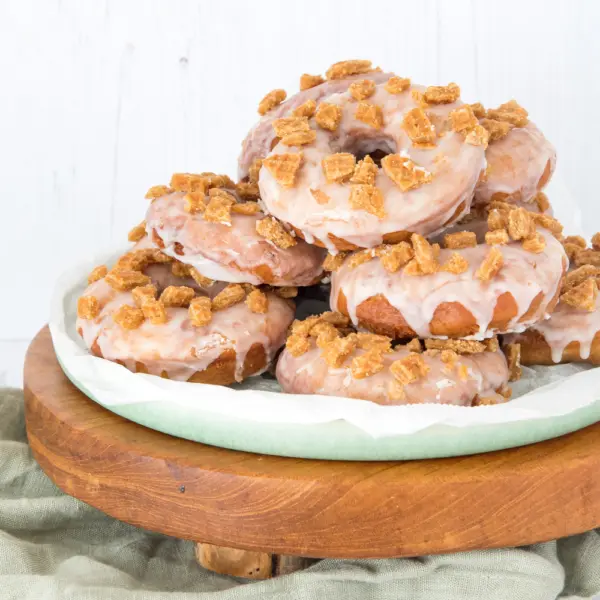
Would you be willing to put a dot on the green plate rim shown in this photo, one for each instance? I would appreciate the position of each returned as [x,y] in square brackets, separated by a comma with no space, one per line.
[340,440]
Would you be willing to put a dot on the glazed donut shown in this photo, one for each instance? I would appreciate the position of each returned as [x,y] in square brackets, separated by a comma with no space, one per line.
[435,153]
[219,236]
[320,359]
[217,335]
[572,333]
[468,289]
[520,160]
[261,138]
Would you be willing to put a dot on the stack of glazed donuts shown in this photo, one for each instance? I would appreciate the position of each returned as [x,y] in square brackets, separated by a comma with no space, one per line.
[422,216]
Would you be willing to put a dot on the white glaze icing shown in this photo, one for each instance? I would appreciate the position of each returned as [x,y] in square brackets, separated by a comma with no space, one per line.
[177,347]
[455,166]
[310,374]
[524,275]
[567,324]
[257,143]
[516,163]
[230,253]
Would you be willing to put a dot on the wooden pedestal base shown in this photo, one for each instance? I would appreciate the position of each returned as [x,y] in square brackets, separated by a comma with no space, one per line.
[277,510]
[249,564]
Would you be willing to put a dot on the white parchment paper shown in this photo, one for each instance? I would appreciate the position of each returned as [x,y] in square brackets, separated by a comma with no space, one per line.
[542,392]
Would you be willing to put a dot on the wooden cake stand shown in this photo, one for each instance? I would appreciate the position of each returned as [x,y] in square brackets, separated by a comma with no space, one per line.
[255,516]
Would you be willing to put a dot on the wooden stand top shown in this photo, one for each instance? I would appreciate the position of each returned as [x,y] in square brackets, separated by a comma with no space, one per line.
[306,507]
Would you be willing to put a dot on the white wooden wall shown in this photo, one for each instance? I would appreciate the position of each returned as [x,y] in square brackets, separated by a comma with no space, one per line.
[103,98]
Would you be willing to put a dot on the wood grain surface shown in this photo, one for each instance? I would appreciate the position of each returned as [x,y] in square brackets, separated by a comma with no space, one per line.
[306,507]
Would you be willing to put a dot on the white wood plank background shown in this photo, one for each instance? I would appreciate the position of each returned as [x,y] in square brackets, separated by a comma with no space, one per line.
[103,98]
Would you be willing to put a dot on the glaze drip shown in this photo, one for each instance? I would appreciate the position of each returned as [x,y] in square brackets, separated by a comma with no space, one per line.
[177,348]
[566,325]
[234,253]
[524,275]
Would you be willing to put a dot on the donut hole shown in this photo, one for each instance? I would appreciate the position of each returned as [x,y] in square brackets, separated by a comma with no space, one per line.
[376,146]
